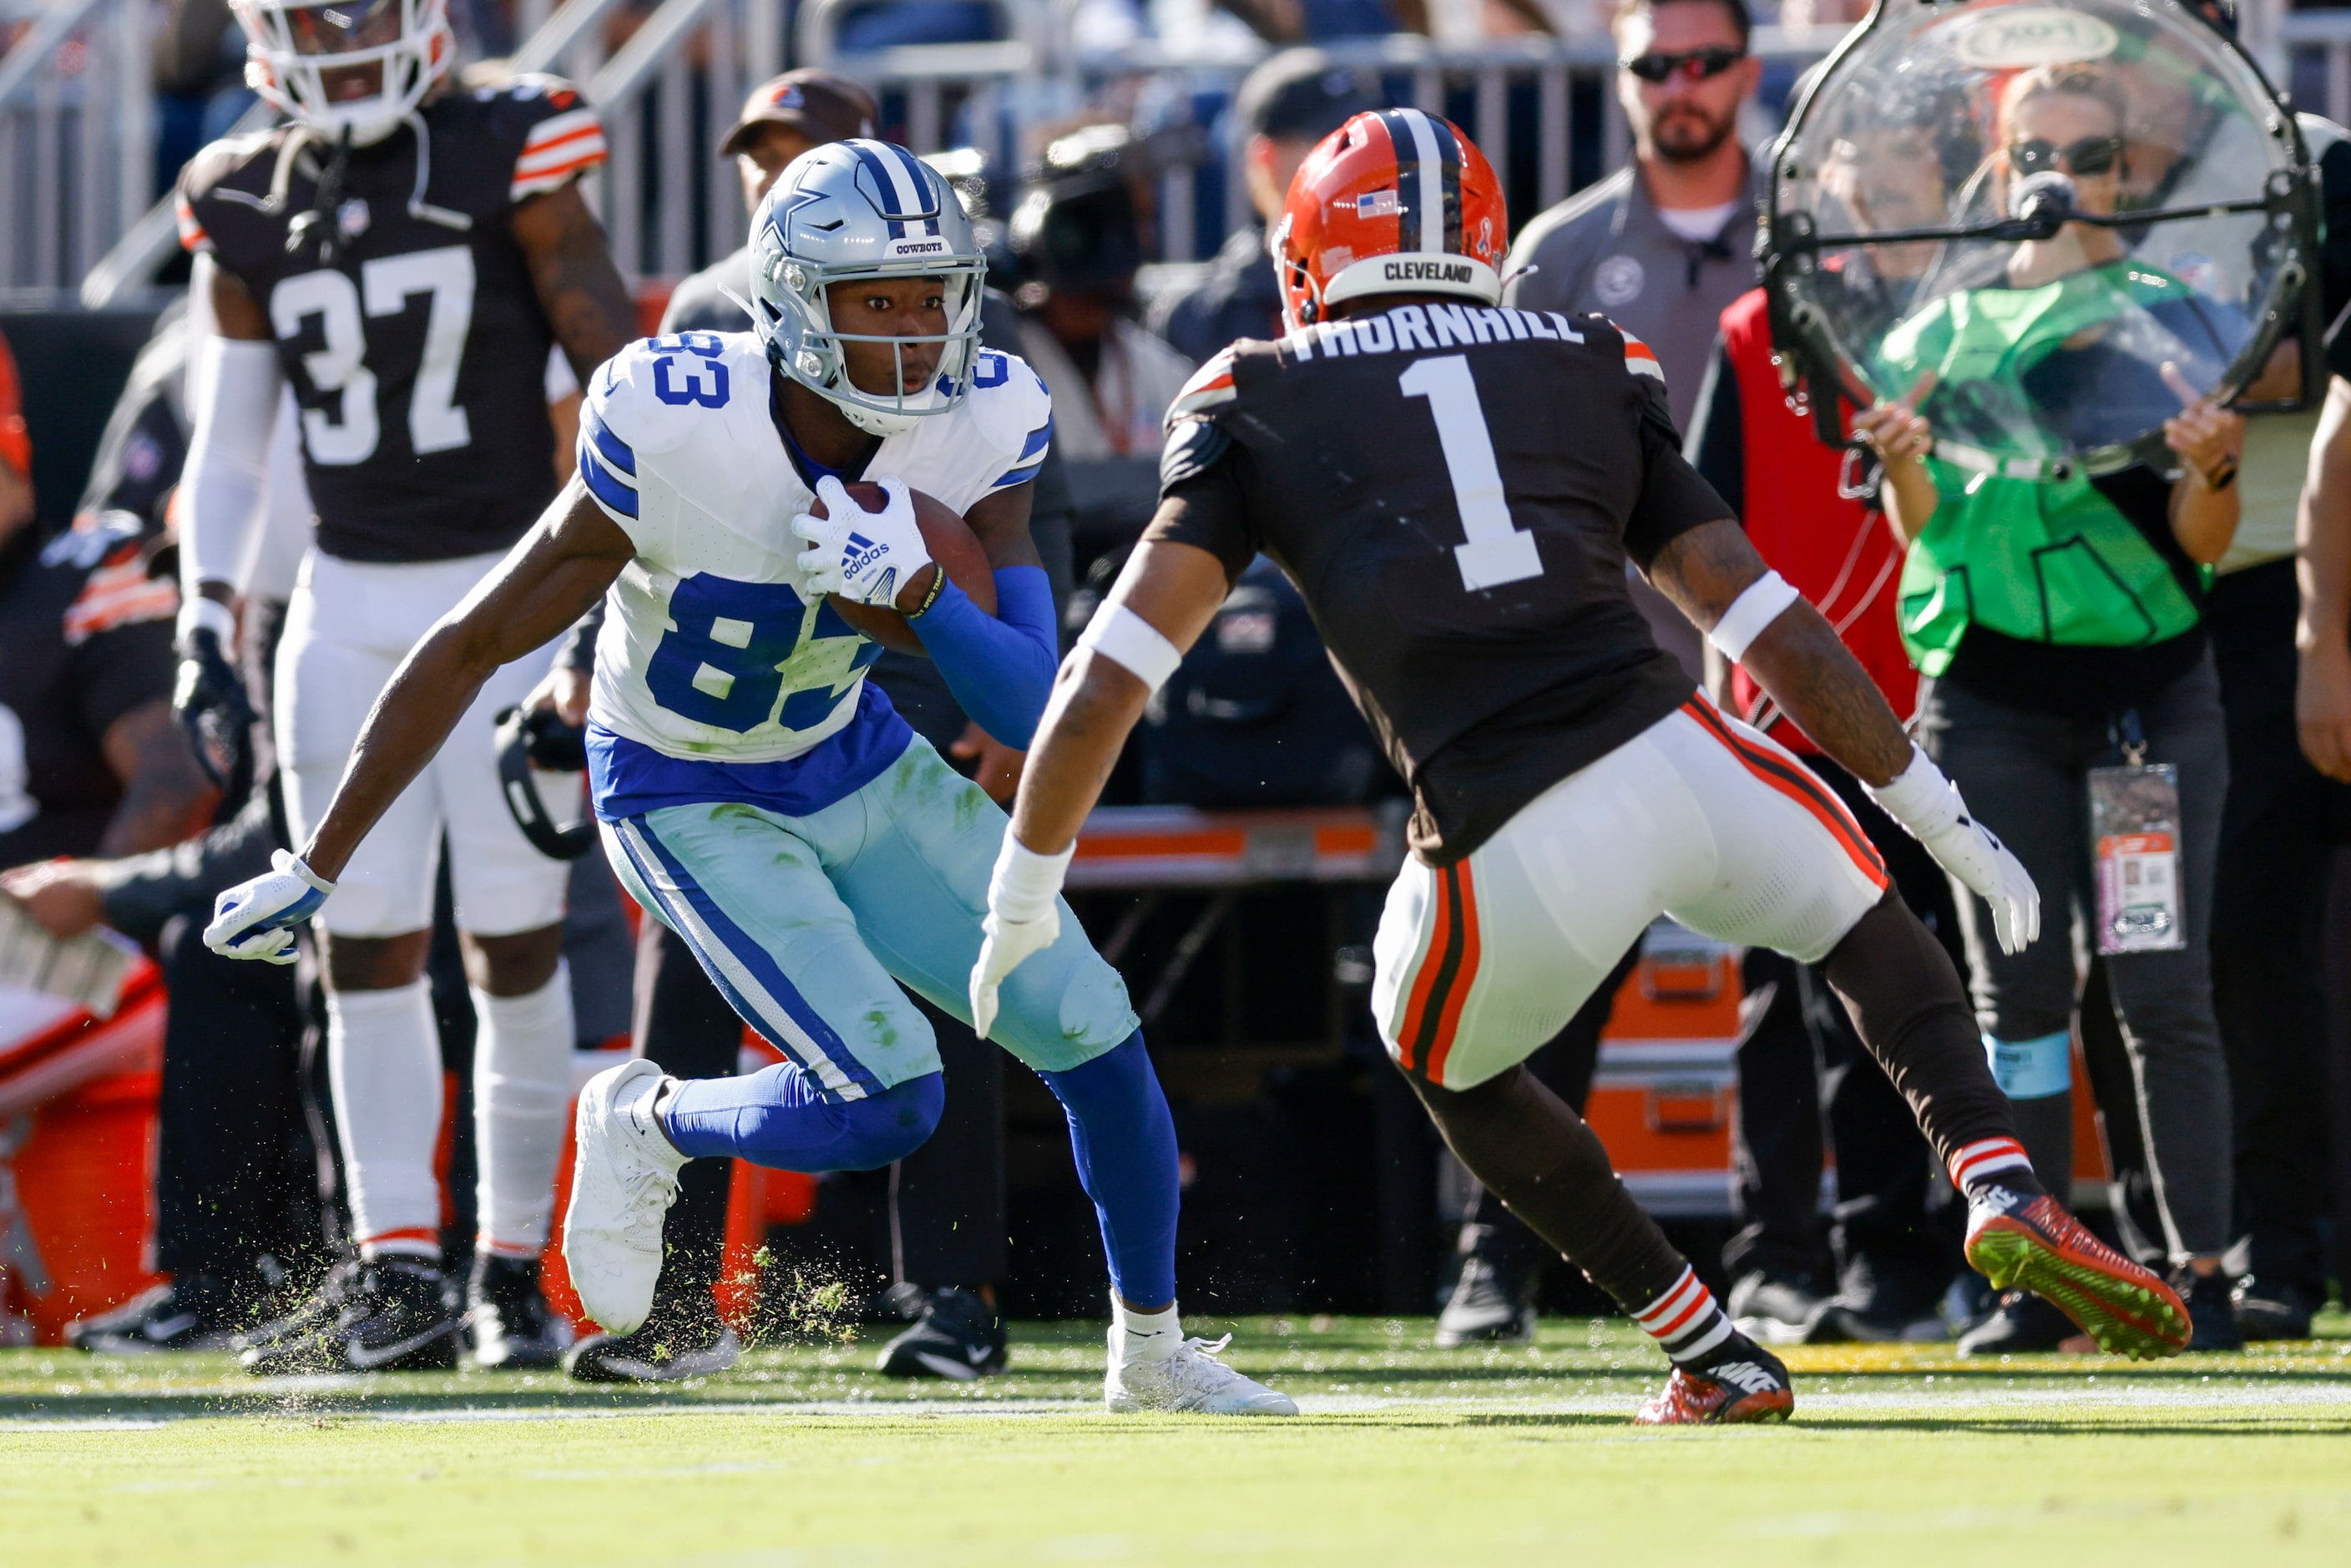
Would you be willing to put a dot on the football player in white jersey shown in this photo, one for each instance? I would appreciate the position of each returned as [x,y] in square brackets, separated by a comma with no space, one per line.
[754,793]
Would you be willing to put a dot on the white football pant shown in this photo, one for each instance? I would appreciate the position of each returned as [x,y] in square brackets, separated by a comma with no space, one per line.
[348,627]
[1698,817]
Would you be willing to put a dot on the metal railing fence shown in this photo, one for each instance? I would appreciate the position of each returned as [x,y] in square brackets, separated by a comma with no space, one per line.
[77,118]
[77,136]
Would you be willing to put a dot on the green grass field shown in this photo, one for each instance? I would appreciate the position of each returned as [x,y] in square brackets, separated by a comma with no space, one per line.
[1407,1454]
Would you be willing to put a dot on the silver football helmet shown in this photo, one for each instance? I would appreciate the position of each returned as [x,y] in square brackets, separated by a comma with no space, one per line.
[317,60]
[852,210]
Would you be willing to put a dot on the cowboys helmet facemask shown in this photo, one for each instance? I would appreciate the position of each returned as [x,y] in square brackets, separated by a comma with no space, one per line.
[850,211]
[292,47]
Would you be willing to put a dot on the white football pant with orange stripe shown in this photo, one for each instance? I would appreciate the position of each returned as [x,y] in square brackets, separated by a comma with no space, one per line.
[1698,817]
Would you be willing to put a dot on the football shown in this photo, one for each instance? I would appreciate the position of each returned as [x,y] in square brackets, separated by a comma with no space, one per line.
[952,544]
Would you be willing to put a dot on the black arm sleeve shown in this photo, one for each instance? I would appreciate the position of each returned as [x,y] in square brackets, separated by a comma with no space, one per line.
[144,890]
[579,649]
[1201,498]
[1716,445]
[1674,499]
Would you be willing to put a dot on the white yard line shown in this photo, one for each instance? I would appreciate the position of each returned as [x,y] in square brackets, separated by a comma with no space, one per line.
[1971,1395]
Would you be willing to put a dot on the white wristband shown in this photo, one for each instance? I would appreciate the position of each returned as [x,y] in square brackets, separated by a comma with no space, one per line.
[1132,644]
[287,861]
[1920,798]
[198,613]
[1025,884]
[1764,601]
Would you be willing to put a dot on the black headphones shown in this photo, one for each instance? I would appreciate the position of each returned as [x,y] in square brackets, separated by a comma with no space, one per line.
[540,739]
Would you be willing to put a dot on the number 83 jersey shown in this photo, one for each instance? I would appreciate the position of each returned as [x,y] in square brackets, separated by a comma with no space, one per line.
[713,648]
[405,316]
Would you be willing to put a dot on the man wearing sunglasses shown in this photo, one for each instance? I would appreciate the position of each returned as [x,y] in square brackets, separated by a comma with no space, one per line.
[1664,245]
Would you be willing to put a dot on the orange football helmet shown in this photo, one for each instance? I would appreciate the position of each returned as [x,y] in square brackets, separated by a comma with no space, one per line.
[1399,201]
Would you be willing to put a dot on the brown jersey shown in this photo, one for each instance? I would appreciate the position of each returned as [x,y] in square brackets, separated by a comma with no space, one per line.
[407,316]
[1455,492]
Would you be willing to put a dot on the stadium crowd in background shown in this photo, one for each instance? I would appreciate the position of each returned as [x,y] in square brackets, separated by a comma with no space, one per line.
[2222,1113]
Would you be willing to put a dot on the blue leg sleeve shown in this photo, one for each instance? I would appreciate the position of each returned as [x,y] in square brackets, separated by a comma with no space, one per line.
[1125,1144]
[1000,668]
[777,1118]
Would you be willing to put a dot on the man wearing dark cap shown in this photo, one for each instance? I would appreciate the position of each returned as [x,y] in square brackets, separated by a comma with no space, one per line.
[1286,106]
[784,117]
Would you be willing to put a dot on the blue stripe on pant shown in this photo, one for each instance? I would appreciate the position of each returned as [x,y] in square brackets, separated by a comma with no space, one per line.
[753,983]
[816,925]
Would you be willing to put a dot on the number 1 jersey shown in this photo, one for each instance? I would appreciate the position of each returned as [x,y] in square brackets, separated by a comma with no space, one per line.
[404,311]
[1455,492]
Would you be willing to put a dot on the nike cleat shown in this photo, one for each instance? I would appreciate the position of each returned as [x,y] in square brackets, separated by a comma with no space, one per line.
[1191,1381]
[623,1180]
[1742,1382]
[652,1355]
[169,1317]
[507,1323]
[1493,1301]
[304,1322]
[959,1337]
[399,1317]
[2032,1244]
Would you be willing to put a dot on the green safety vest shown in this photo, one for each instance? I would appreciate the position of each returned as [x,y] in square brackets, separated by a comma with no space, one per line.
[2041,559]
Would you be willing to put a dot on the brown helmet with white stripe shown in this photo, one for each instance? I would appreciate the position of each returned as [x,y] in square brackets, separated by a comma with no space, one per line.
[1397,202]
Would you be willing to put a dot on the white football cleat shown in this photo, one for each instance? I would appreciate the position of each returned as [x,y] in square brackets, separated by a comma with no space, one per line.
[1192,1380]
[622,1183]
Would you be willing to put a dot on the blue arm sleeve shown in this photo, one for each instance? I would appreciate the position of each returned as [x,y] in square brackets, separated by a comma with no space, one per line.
[999,667]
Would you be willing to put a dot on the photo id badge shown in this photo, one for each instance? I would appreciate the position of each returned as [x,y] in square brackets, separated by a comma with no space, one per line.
[2134,824]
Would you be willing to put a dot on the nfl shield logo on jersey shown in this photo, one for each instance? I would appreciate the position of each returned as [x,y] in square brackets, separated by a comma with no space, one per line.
[352,218]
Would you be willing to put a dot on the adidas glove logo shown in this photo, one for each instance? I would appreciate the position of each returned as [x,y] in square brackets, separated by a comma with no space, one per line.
[861,553]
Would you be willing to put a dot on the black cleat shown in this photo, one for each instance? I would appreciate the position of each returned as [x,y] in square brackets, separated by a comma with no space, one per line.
[655,1353]
[1494,1299]
[1878,1304]
[396,1316]
[957,1337]
[2265,1313]
[1780,1308]
[507,1323]
[307,1320]
[185,1316]
[2211,1313]
[2022,1325]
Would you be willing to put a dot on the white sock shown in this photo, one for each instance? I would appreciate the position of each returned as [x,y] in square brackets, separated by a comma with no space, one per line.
[522,1086]
[383,1061]
[1144,1336]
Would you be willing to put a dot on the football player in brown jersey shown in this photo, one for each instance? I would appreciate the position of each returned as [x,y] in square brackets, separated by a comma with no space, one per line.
[1457,488]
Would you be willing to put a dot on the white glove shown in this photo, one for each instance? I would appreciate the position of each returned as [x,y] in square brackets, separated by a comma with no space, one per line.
[861,555]
[1928,807]
[255,919]
[1022,918]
